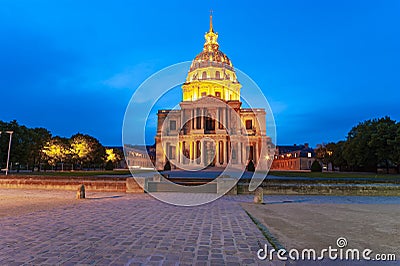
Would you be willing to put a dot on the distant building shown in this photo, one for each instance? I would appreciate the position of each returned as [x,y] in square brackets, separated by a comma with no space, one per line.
[294,157]
[140,156]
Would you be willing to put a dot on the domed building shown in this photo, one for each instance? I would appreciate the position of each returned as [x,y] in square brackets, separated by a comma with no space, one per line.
[211,129]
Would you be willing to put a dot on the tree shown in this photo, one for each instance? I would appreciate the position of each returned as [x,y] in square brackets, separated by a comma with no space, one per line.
[356,150]
[396,143]
[114,156]
[324,153]
[382,141]
[19,153]
[371,144]
[337,155]
[32,145]
[86,150]
[38,138]
[56,151]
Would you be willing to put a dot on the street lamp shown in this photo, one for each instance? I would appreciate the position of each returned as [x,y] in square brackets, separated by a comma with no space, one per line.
[9,148]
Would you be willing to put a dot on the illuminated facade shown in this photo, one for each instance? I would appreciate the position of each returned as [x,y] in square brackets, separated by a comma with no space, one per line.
[293,158]
[211,128]
[137,157]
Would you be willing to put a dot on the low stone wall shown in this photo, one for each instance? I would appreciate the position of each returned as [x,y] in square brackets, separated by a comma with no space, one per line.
[104,184]
[326,189]
[130,185]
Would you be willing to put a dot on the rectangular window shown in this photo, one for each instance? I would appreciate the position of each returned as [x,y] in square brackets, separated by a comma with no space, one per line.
[218,94]
[172,125]
[172,152]
[249,124]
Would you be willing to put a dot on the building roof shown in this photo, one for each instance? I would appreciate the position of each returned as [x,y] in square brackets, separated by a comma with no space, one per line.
[149,149]
[301,150]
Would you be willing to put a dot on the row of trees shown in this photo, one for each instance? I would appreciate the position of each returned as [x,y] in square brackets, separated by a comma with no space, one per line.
[371,145]
[36,148]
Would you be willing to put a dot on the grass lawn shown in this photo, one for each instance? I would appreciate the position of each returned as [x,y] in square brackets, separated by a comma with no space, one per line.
[274,173]
[80,173]
[332,174]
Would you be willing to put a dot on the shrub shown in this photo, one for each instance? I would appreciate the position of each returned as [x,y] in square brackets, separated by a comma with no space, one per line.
[167,166]
[250,166]
[109,165]
[316,167]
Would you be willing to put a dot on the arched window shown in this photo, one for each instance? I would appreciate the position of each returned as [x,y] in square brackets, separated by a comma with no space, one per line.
[217,75]
[204,75]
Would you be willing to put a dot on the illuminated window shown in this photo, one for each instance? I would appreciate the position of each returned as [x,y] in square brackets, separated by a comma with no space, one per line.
[218,94]
[172,125]
[249,124]
[309,155]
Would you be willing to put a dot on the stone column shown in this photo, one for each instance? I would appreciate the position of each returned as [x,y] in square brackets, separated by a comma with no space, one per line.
[182,118]
[194,151]
[179,152]
[217,119]
[190,152]
[192,119]
[225,152]
[198,152]
[239,153]
[256,155]
[245,156]
[227,117]
[223,117]
[217,152]
[228,159]
[202,118]
[202,152]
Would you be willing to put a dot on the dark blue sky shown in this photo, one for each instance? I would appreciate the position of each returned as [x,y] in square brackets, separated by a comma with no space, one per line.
[324,66]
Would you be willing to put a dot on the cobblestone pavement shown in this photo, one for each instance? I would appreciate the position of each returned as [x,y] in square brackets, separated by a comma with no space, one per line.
[132,230]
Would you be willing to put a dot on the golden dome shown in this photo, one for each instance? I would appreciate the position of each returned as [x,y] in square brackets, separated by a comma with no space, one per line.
[211,73]
[214,58]
[211,56]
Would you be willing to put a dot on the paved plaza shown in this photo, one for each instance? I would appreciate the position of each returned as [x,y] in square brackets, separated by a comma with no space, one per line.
[40,227]
[126,229]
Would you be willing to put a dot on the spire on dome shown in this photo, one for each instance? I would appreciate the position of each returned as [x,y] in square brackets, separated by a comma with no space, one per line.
[211,25]
[211,37]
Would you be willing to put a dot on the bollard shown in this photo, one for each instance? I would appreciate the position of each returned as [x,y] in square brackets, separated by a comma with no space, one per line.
[80,194]
[157,177]
[258,195]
